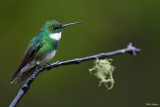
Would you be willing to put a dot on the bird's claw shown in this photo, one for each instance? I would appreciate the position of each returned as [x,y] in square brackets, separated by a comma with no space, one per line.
[48,66]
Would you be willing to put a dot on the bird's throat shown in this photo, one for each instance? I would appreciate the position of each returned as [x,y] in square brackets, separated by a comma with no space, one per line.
[56,36]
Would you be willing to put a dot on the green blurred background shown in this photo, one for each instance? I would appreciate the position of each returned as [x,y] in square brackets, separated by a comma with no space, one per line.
[109,25]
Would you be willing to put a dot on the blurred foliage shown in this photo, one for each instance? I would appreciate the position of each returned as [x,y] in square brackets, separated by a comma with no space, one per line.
[109,25]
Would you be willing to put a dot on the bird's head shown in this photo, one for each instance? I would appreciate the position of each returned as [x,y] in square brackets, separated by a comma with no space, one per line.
[54,26]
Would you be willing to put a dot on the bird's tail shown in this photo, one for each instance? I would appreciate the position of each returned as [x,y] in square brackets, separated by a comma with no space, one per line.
[22,76]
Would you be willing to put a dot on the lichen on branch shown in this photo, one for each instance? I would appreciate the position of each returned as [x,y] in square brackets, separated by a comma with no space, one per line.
[104,70]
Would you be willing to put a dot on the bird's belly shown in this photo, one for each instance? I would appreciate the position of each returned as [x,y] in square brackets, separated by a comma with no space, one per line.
[48,57]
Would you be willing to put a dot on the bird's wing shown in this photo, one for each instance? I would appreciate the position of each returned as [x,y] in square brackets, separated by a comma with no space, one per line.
[34,45]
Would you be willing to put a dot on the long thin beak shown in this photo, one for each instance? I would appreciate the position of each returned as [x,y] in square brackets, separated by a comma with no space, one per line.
[65,25]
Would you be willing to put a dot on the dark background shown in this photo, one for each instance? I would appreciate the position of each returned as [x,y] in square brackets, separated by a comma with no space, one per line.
[109,25]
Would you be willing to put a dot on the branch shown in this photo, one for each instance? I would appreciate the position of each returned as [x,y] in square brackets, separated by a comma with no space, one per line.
[25,87]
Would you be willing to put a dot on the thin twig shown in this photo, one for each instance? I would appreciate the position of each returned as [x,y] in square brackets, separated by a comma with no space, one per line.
[25,87]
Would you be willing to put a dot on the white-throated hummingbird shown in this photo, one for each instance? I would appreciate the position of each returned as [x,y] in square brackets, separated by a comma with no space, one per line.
[41,49]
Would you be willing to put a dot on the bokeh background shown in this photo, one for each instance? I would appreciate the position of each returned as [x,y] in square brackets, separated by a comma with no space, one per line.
[109,25]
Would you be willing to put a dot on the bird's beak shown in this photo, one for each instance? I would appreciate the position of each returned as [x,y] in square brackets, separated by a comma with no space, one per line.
[65,25]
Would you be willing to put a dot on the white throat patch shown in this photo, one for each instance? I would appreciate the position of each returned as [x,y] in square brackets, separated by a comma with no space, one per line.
[56,36]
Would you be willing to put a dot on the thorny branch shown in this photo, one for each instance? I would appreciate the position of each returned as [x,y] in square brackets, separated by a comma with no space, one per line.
[25,87]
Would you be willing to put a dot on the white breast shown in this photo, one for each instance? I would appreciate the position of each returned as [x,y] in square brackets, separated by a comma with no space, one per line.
[48,57]
[56,36]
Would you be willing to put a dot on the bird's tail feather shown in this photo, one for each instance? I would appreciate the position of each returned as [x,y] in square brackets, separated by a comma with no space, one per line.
[20,77]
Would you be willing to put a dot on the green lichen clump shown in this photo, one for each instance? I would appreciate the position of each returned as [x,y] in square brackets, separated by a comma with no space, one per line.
[104,70]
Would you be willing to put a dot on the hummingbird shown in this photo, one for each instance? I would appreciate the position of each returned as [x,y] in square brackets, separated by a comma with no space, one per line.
[41,49]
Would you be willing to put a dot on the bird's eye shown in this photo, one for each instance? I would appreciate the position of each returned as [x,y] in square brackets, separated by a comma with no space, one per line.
[54,28]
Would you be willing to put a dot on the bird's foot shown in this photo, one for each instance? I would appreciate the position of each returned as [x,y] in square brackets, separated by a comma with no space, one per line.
[48,66]
[39,67]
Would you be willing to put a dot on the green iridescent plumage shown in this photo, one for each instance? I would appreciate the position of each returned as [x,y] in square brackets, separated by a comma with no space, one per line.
[48,46]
